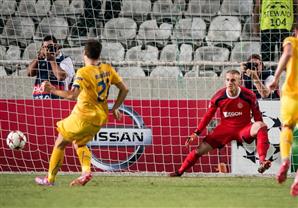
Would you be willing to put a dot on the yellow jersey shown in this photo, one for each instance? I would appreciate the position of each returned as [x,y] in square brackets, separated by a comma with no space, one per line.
[290,86]
[94,83]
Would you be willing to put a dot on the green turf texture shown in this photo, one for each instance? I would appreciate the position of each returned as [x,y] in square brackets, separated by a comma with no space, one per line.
[136,191]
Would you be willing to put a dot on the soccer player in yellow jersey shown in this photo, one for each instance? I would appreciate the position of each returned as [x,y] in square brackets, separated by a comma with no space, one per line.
[289,104]
[90,89]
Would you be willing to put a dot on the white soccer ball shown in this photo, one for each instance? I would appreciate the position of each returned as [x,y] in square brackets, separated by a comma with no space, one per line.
[16,140]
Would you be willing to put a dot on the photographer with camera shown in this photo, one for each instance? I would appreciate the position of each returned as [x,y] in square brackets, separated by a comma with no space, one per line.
[257,78]
[51,65]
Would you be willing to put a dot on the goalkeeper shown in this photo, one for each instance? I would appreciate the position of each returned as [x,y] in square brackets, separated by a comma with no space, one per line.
[90,88]
[237,105]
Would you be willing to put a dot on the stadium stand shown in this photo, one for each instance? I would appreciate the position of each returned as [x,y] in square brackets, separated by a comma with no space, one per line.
[170,53]
[76,54]
[33,8]
[17,30]
[145,53]
[112,51]
[247,32]
[236,7]
[31,50]
[136,9]
[166,71]
[203,8]
[8,7]
[131,72]
[244,49]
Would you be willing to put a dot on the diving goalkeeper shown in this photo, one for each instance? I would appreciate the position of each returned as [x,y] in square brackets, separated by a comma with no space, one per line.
[237,106]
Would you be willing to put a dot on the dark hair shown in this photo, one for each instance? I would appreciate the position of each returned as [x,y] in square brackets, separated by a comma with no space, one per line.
[254,56]
[93,49]
[50,37]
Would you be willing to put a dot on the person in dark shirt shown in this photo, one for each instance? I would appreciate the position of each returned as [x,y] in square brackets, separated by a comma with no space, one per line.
[238,106]
[256,78]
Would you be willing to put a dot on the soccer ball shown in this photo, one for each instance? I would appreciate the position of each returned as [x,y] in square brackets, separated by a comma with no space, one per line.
[16,140]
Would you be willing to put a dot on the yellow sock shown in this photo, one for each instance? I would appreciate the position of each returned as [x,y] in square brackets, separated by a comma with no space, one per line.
[84,155]
[55,163]
[286,140]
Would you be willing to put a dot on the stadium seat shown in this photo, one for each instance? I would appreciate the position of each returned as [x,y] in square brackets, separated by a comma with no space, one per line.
[212,54]
[2,52]
[31,51]
[207,8]
[166,9]
[32,8]
[149,32]
[7,7]
[192,30]
[200,73]
[76,54]
[224,30]
[135,8]
[2,71]
[169,53]
[247,32]
[131,71]
[18,30]
[56,26]
[13,53]
[166,71]
[145,53]
[236,7]
[112,51]
[120,29]
[185,56]
[242,50]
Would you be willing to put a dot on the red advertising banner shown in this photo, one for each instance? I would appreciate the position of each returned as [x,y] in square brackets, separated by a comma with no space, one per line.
[149,138]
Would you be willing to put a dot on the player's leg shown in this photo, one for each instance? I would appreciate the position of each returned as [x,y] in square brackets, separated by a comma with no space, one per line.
[294,187]
[192,158]
[288,117]
[56,161]
[84,154]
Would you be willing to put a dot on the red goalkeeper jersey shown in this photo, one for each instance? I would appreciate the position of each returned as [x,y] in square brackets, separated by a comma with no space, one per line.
[235,112]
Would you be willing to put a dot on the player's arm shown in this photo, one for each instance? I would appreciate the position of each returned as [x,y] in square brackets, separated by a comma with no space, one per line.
[123,91]
[256,112]
[203,123]
[286,55]
[69,94]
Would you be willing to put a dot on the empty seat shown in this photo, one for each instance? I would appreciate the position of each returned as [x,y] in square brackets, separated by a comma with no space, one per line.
[76,54]
[247,31]
[131,71]
[212,54]
[236,7]
[145,53]
[189,30]
[200,73]
[18,30]
[166,9]
[166,71]
[200,8]
[120,29]
[2,71]
[7,7]
[13,53]
[149,32]
[170,53]
[2,52]
[32,8]
[243,50]
[186,51]
[132,8]
[56,26]
[224,29]
[112,51]
[31,51]
[63,7]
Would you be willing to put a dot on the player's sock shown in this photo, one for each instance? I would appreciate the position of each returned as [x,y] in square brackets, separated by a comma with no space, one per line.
[55,163]
[84,155]
[189,161]
[286,140]
[262,143]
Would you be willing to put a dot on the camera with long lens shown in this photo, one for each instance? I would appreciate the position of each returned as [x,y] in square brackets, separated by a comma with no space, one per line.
[250,65]
[52,48]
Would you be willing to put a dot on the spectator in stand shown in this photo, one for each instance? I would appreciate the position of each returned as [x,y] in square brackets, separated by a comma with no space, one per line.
[257,78]
[51,65]
[237,106]
[274,19]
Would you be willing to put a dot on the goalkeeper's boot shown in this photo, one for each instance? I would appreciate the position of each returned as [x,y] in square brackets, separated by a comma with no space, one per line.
[82,180]
[43,181]
[175,174]
[294,187]
[264,165]
[283,170]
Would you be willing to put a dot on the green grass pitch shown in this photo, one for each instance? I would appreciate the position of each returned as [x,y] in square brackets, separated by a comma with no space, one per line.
[18,190]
